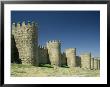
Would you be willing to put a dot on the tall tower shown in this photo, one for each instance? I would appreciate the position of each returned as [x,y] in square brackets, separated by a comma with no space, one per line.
[54,51]
[92,63]
[26,39]
[71,57]
[96,63]
[86,60]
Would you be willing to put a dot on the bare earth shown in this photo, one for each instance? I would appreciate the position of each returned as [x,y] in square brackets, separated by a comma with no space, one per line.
[19,70]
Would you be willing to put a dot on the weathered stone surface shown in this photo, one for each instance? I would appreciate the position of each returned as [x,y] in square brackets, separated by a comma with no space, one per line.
[25,50]
[26,39]
[71,57]
[54,51]
[63,59]
[92,63]
[78,61]
[99,64]
[86,60]
[43,55]
[95,63]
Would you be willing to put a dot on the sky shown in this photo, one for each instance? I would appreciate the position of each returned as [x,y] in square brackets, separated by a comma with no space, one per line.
[75,29]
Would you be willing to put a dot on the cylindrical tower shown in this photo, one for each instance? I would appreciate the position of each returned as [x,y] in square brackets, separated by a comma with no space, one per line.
[54,51]
[86,60]
[26,38]
[71,57]
[92,63]
[99,63]
[95,63]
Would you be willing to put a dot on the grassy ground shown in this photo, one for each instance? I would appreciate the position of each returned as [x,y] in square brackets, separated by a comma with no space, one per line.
[19,70]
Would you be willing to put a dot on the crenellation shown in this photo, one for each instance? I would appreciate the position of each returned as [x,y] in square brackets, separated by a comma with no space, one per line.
[13,25]
[43,55]
[29,24]
[18,25]
[54,51]
[24,24]
[25,41]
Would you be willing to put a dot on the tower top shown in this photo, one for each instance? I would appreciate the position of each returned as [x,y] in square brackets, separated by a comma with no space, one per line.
[23,24]
[53,41]
[87,53]
[70,49]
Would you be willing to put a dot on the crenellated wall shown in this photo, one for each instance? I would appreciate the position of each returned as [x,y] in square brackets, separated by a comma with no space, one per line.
[43,55]
[86,61]
[25,50]
[54,51]
[26,39]
[71,57]
[63,59]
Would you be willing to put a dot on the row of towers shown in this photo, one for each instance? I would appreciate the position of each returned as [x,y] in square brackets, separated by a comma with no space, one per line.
[24,47]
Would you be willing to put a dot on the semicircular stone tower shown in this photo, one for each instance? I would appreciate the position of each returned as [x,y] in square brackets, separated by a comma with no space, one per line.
[92,63]
[95,63]
[71,57]
[86,61]
[26,38]
[54,51]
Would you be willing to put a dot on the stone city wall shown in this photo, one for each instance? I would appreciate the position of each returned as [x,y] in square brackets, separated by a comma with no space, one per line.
[54,52]
[26,42]
[86,60]
[25,50]
[63,59]
[43,55]
[71,57]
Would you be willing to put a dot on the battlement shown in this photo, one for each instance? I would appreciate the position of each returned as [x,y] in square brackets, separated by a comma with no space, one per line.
[71,49]
[53,41]
[42,47]
[23,24]
[89,53]
[54,44]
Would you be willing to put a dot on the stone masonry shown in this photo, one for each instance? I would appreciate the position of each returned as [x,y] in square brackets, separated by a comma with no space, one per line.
[43,55]
[54,51]
[63,59]
[71,57]
[26,42]
[86,60]
[92,63]
[95,63]
[25,50]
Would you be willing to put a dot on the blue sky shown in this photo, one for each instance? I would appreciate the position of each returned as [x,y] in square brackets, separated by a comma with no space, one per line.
[75,29]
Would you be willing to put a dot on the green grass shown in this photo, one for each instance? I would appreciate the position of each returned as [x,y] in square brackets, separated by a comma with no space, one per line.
[19,70]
